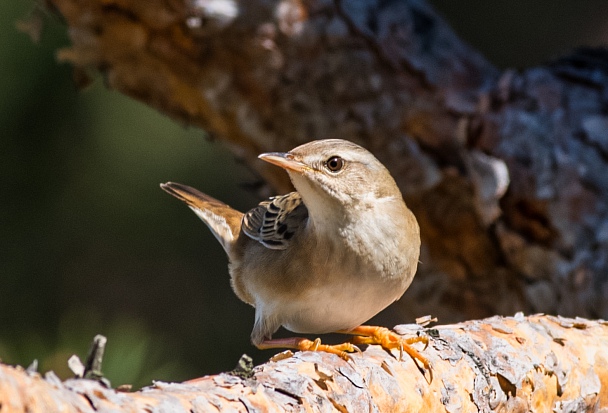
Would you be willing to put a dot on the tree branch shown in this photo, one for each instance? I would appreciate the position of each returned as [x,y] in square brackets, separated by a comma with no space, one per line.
[504,171]
[537,363]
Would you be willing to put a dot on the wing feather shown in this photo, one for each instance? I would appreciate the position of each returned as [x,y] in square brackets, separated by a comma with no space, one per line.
[274,222]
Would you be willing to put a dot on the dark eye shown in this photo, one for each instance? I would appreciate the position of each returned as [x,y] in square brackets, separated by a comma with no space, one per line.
[334,164]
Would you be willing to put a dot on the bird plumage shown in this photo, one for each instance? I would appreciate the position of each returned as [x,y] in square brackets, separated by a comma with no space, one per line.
[274,223]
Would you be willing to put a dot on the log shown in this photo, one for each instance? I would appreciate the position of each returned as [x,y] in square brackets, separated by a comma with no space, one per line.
[517,364]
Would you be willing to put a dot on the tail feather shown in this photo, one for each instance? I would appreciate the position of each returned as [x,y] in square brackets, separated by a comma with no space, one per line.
[223,221]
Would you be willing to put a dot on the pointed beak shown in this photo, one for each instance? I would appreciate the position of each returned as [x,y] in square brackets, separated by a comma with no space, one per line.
[285,160]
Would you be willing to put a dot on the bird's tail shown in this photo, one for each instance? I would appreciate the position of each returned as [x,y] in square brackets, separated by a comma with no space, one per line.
[223,221]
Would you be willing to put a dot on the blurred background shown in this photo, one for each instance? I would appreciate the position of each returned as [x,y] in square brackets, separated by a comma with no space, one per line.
[90,244]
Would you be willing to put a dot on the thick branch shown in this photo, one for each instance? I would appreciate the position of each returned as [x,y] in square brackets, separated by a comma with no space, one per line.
[539,363]
[391,75]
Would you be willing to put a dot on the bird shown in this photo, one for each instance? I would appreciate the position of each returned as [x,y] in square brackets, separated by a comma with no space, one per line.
[325,258]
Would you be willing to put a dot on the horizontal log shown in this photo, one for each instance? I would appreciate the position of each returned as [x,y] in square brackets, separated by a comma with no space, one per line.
[535,363]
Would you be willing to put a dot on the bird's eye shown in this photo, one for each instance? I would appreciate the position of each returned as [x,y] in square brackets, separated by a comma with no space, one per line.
[335,164]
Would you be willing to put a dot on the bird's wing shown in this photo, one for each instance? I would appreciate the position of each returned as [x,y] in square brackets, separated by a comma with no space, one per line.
[223,221]
[274,222]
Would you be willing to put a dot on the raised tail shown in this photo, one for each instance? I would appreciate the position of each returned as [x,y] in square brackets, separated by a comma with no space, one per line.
[223,221]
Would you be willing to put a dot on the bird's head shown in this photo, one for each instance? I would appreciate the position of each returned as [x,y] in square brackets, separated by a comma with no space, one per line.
[335,174]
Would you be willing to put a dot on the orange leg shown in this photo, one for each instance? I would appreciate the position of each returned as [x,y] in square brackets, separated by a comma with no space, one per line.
[303,344]
[389,340]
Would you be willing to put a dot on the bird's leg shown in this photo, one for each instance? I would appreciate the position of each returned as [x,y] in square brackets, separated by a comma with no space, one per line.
[389,340]
[304,344]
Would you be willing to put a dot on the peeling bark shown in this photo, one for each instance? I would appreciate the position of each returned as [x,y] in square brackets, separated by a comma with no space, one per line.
[515,364]
[506,172]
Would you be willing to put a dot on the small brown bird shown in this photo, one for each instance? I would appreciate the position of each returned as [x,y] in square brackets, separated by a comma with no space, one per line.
[323,259]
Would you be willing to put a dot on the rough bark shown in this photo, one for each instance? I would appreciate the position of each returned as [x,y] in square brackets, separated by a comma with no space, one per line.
[506,172]
[514,364]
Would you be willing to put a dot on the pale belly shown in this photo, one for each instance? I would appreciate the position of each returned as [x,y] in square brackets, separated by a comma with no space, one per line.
[338,307]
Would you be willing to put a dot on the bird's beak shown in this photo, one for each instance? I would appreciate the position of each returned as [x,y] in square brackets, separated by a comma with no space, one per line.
[285,160]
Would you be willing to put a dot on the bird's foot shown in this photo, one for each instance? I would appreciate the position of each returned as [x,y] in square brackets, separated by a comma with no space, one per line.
[304,344]
[390,340]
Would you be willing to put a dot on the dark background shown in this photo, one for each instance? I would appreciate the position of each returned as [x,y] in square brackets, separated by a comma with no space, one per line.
[90,244]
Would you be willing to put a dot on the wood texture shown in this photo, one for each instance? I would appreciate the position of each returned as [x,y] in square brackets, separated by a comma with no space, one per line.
[506,172]
[514,364]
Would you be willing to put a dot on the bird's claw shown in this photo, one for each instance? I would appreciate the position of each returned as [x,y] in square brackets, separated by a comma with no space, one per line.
[390,340]
[304,344]
[340,350]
